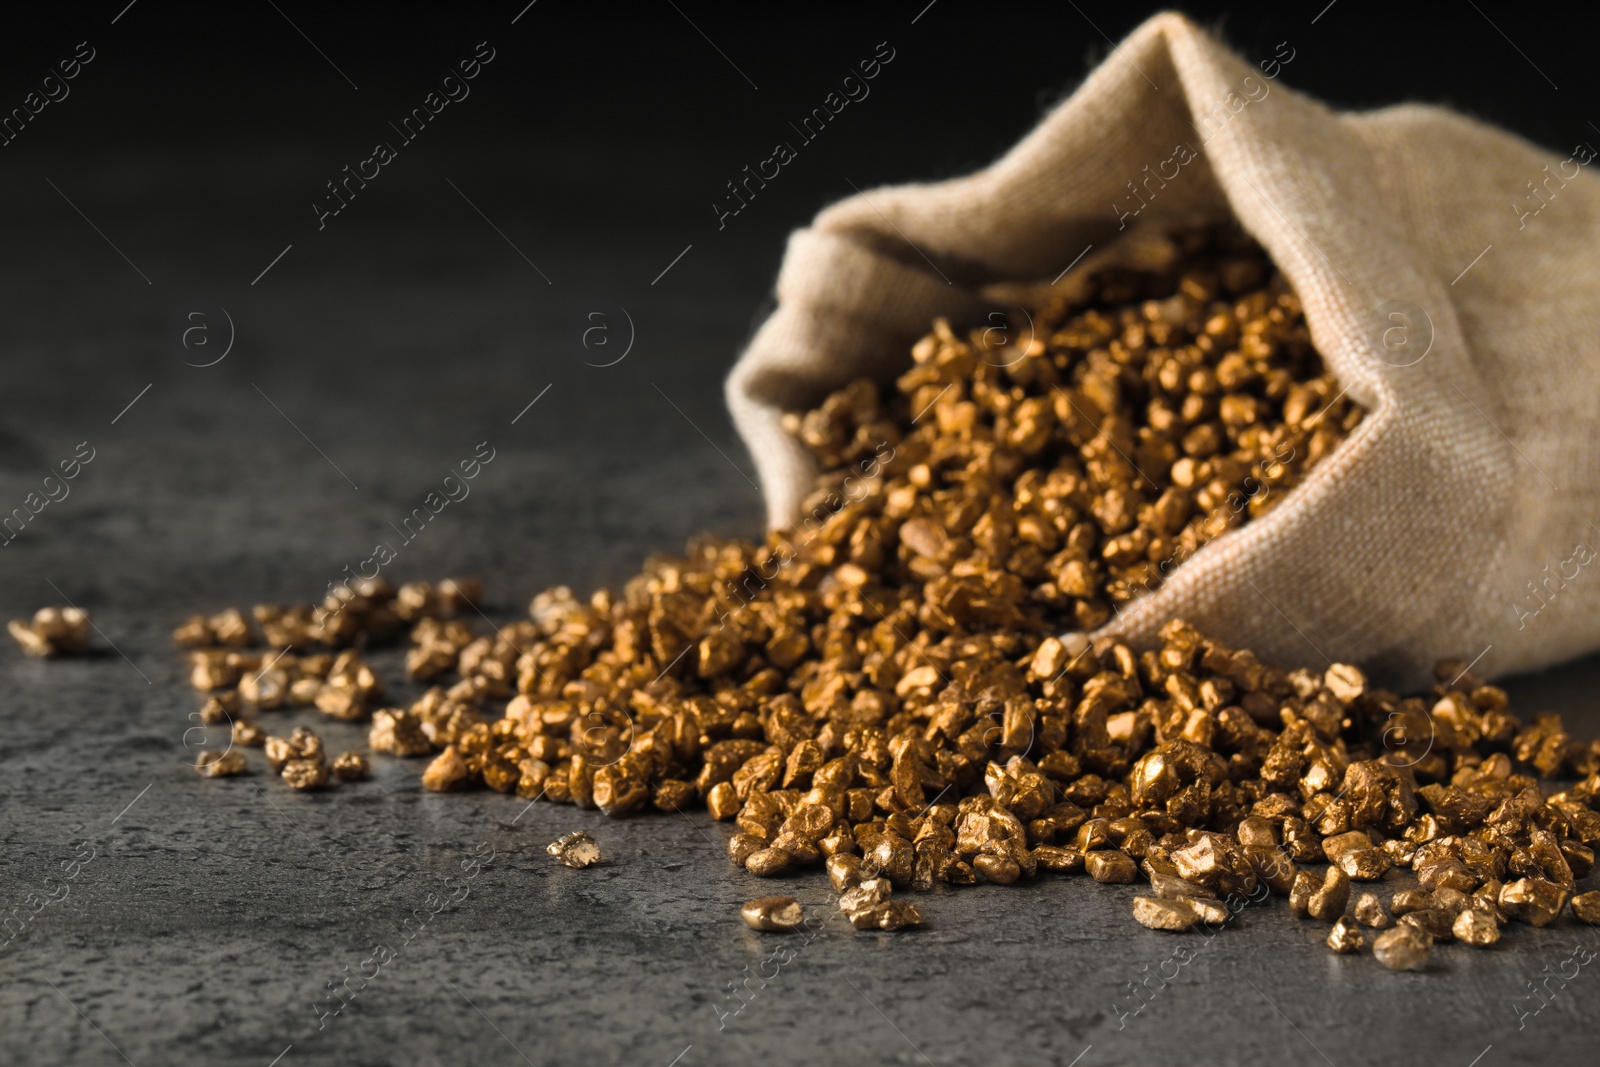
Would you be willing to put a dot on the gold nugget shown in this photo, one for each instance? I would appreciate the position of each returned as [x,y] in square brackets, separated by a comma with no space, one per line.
[576,849]
[1346,936]
[220,764]
[1163,914]
[305,774]
[350,766]
[773,914]
[53,632]
[1405,948]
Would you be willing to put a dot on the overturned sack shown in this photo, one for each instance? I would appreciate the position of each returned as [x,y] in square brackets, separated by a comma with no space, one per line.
[1447,272]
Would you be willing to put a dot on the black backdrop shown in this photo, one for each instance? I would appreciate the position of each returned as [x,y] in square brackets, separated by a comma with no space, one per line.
[647,109]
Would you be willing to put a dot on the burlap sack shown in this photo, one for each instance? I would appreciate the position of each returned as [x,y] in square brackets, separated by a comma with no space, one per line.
[1456,521]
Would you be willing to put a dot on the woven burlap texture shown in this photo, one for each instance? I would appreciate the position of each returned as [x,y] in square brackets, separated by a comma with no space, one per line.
[1456,520]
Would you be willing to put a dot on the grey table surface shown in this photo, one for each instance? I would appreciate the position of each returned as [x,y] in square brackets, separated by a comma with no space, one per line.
[214,915]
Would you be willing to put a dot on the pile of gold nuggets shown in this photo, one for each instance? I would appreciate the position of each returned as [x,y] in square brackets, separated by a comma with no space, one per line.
[882,690]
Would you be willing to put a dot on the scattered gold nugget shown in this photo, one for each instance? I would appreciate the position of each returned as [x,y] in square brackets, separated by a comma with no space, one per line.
[1369,912]
[861,905]
[305,774]
[1328,901]
[1405,948]
[1435,922]
[1346,936]
[1534,900]
[1476,928]
[1165,914]
[350,766]
[898,915]
[768,862]
[576,849]
[1110,866]
[220,707]
[248,734]
[868,907]
[53,632]
[213,764]
[773,914]
[447,771]
[396,732]
[279,751]
[306,744]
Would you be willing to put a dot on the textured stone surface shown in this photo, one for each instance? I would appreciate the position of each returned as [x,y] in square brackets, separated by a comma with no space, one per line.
[215,912]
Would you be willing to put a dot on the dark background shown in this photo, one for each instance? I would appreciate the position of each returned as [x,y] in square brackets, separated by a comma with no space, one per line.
[378,352]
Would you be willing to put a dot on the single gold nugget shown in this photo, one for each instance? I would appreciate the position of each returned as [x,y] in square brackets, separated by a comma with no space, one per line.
[1405,948]
[773,914]
[305,774]
[898,915]
[1163,914]
[220,764]
[998,869]
[576,849]
[1533,900]
[1328,901]
[195,632]
[231,629]
[861,905]
[768,862]
[1435,922]
[248,734]
[1345,936]
[306,744]
[1476,927]
[220,707]
[278,751]
[1369,912]
[447,771]
[396,732]
[350,766]
[1110,866]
